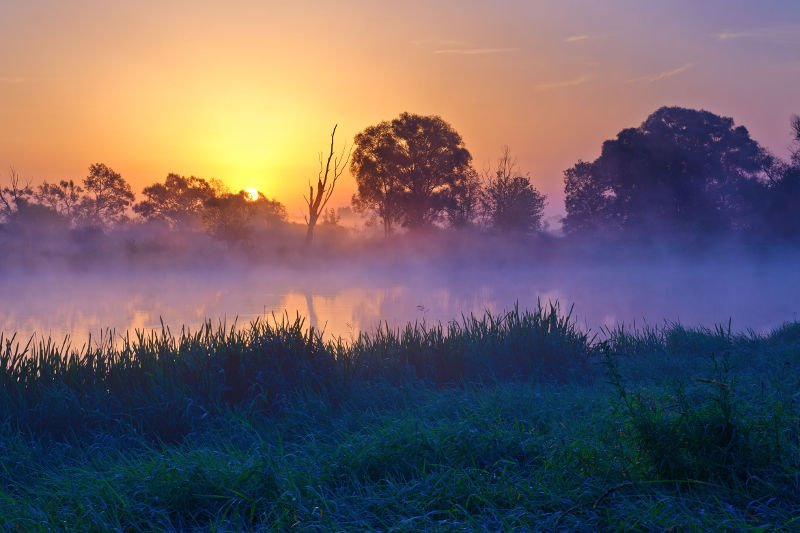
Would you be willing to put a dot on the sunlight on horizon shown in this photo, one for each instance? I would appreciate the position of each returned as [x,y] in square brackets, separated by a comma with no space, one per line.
[253,105]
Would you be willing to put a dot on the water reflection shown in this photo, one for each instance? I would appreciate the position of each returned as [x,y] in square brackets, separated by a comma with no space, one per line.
[755,296]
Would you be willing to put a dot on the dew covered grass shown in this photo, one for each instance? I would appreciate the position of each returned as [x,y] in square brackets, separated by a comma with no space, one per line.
[512,422]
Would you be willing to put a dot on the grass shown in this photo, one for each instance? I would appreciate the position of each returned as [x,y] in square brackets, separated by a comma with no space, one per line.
[510,422]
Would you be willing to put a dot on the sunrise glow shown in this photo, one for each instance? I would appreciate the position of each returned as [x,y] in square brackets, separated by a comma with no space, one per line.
[372,265]
[145,88]
[251,194]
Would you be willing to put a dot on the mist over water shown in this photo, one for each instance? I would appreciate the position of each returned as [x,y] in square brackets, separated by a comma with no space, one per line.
[346,299]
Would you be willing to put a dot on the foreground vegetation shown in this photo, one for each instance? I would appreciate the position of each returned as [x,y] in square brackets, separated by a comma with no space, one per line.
[516,421]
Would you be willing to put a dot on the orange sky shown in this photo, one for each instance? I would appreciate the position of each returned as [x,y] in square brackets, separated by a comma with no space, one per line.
[248,91]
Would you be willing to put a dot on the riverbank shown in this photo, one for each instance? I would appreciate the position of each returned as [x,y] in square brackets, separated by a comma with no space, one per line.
[517,421]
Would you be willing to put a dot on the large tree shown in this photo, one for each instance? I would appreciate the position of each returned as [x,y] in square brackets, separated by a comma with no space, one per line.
[407,170]
[682,170]
[107,196]
[179,201]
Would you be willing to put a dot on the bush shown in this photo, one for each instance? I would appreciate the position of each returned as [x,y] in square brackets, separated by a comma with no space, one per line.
[703,436]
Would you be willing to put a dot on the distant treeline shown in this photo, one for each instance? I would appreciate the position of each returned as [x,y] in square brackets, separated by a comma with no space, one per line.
[683,174]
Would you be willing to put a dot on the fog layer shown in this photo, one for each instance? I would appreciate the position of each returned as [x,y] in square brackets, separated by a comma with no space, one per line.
[348,296]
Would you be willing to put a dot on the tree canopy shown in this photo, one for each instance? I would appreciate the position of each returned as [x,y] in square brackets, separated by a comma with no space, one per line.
[177,201]
[681,170]
[63,197]
[107,196]
[234,217]
[408,170]
[510,201]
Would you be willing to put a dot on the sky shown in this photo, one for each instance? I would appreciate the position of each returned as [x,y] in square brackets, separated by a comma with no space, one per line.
[248,92]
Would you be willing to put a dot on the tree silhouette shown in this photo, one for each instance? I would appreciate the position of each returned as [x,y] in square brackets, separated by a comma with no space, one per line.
[179,201]
[682,170]
[330,218]
[510,201]
[379,187]
[235,217]
[36,221]
[107,197]
[588,200]
[14,194]
[407,170]
[63,197]
[326,183]
[464,207]
[782,204]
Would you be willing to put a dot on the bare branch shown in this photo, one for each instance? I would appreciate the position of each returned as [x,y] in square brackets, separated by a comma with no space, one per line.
[327,178]
[11,195]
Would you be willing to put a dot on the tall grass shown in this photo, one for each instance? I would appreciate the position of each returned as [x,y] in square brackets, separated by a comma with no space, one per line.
[499,422]
[162,384]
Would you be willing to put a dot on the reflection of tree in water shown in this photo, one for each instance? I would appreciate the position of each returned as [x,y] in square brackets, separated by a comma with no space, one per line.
[313,320]
[603,294]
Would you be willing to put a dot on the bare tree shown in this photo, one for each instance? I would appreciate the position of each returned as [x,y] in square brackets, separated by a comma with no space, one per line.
[326,183]
[15,193]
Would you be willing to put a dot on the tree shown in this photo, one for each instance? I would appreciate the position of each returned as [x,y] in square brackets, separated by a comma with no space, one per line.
[107,197]
[318,199]
[179,201]
[587,200]
[464,208]
[682,170]
[234,217]
[407,170]
[63,197]
[510,201]
[330,218]
[379,187]
[37,221]
[14,194]
[782,205]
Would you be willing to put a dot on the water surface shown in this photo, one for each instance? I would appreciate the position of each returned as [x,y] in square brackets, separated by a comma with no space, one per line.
[344,301]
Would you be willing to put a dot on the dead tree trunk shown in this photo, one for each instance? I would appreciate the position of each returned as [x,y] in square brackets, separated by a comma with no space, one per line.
[318,198]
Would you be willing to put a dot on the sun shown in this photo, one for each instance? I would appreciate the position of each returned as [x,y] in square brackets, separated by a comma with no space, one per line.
[251,194]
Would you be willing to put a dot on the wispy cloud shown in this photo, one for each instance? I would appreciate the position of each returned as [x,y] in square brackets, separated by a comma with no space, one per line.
[652,78]
[553,85]
[780,34]
[572,39]
[440,42]
[474,51]
[577,38]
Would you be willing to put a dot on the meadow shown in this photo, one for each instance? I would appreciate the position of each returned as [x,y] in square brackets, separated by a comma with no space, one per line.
[514,421]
